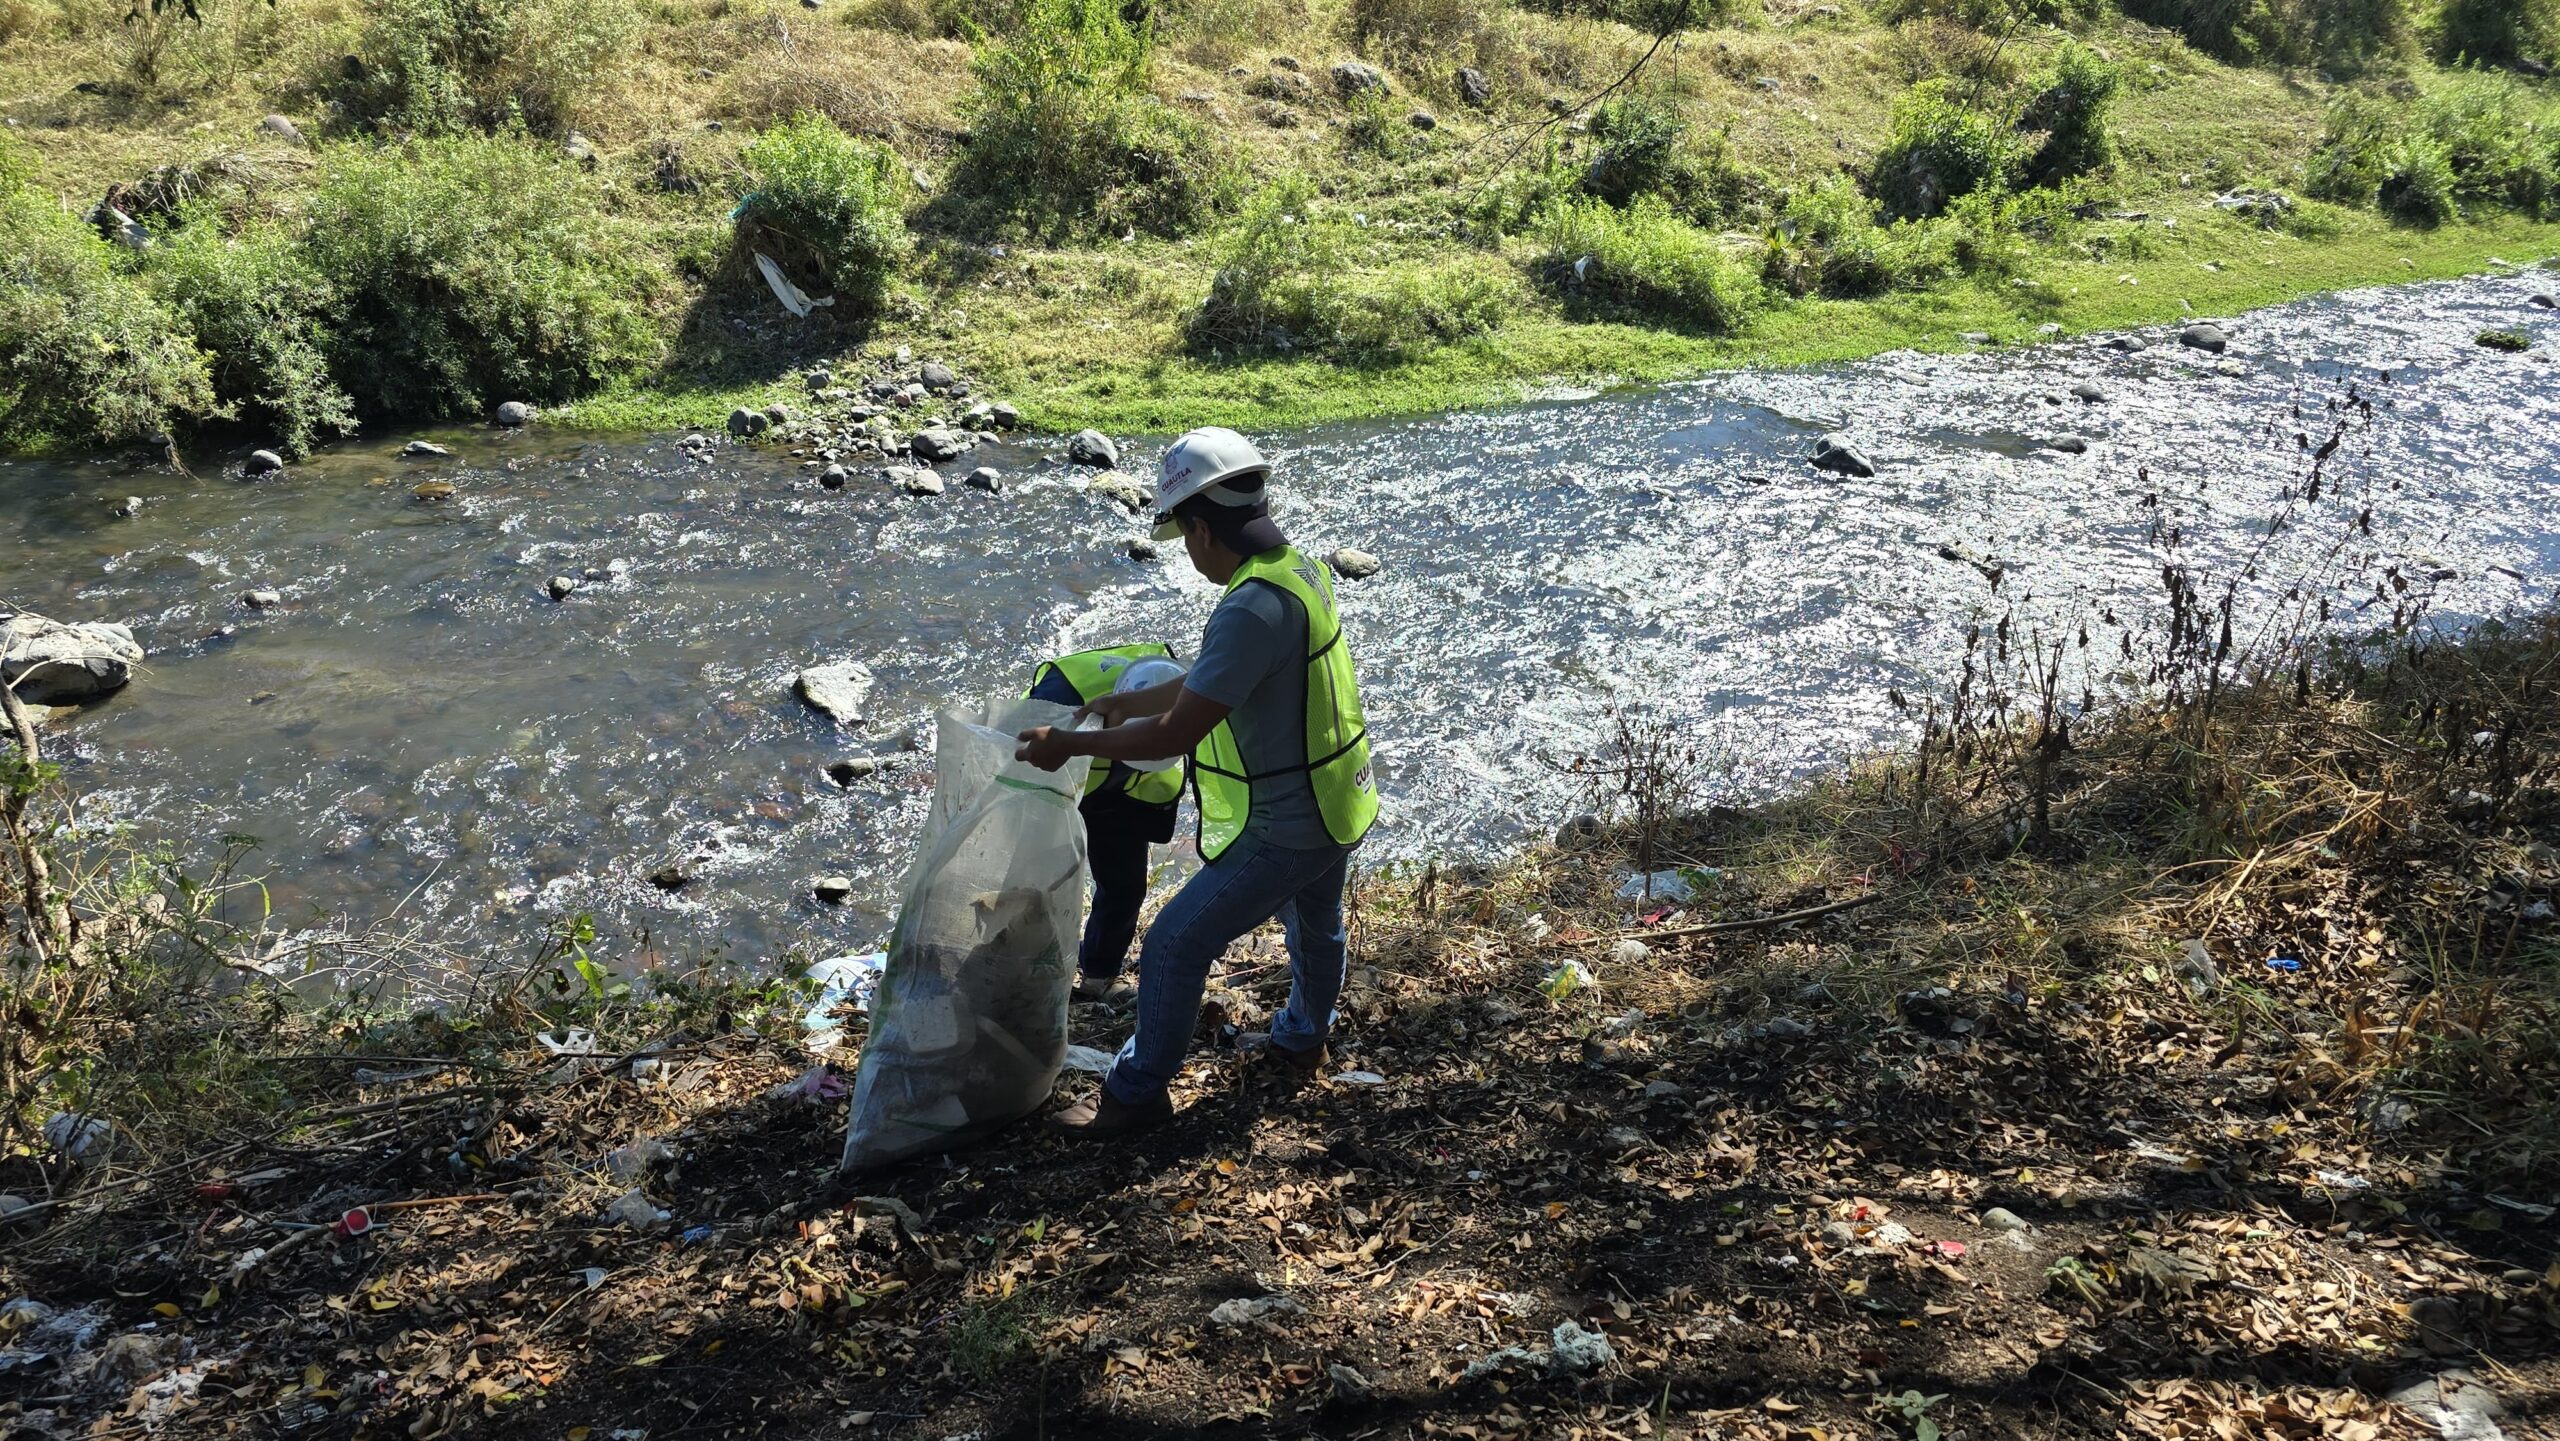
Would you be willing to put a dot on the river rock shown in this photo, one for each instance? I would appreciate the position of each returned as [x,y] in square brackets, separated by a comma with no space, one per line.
[988,479]
[2547,300]
[833,477]
[2204,337]
[1123,490]
[2089,392]
[914,480]
[937,377]
[1355,78]
[261,462]
[434,490]
[1834,453]
[261,599]
[1142,549]
[1004,417]
[1353,564]
[778,413]
[2001,1218]
[1092,447]
[980,416]
[840,688]
[561,587]
[280,128]
[126,508]
[580,151]
[819,379]
[936,445]
[2129,344]
[2068,445]
[53,662]
[1423,120]
[1473,88]
[671,877]
[424,450]
[846,772]
[834,890]
[747,424]
[515,413]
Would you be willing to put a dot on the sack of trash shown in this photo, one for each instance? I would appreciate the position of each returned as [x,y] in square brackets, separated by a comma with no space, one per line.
[970,1023]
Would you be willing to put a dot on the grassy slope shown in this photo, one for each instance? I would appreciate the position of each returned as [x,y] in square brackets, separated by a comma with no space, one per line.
[1090,335]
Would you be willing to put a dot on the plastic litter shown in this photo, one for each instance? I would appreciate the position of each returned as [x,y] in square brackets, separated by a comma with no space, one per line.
[1361,1078]
[633,1210]
[1089,1060]
[970,1024]
[793,298]
[2340,1179]
[354,1223]
[1142,675]
[573,1041]
[841,979]
[77,1137]
[1664,885]
[815,1086]
[1567,979]
[696,1235]
[635,1161]
[1245,1310]
[2283,963]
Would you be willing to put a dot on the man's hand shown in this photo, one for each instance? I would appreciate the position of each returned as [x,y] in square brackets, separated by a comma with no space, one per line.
[1045,747]
[1113,709]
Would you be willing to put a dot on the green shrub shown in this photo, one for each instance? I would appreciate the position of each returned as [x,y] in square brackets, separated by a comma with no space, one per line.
[1514,200]
[438,67]
[2348,34]
[1635,148]
[1941,149]
[1286,281]
[1067,139]
[836,198]
[1826,241]
[1371,125]
[1644,261]
[2498,32]
[1993,14]
[2418,184]
[257,307]
[2476,142]
[1433,34]
[86,355]
[1657,17]
[2072,111]
[467,271]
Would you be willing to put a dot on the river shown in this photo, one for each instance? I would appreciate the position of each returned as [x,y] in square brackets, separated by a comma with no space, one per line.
[420,737]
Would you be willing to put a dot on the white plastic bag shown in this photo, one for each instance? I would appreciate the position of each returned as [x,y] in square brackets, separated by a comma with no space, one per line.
[970,1023]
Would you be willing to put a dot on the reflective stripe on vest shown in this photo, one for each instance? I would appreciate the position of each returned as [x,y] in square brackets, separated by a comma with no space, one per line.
[1094,674]
[1337,735]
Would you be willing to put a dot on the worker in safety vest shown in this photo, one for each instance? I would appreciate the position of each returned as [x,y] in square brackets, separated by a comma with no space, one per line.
[1126,808]
[1270,717]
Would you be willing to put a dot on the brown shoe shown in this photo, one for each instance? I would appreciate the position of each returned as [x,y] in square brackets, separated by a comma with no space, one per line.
[1259,1049]
[1103,1116]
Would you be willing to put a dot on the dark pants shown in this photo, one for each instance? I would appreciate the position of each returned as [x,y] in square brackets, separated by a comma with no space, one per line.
[1117,834]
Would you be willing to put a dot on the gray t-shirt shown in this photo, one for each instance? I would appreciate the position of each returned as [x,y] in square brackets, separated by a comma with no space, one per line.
[1253,659]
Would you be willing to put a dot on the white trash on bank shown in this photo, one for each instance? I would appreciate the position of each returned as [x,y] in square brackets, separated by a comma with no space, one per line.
[970,1024]
[841,979]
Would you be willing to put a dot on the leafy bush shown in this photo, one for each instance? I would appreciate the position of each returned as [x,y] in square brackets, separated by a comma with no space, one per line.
[2072,111]
[2498,32]
[86,355]
[2478,142]
[1286,281]
[1826,241]
[1993,14]
[836,198]
[438,67]
[1940,149]
[1373,126]
[472,270]
[1440,34]
[1515,199]
[1657,17]
[1645,260]
[1068,139]
[2347,34]
[256,306]
[1635,148]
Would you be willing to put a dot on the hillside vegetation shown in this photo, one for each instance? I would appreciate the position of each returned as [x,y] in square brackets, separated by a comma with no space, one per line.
[296,214]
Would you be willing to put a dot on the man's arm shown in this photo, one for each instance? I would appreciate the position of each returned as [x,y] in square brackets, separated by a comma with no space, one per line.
[1118,709]
[1151,738]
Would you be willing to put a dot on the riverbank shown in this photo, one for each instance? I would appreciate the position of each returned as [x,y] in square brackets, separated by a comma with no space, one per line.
[2183,1076]
[291,218]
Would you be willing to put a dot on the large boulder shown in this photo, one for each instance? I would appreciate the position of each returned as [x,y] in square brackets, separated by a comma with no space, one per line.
[52,662]
[1834,453]
[840,688]
[937,377]
[936,445]
[1092,447]
[1354,78]
[513,413]
[1474,88]
[1353,564]
[2204,337]
[1123,490]
[747,424]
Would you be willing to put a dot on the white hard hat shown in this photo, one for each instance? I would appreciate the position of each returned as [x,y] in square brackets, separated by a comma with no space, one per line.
[1144,674]
[1203,463]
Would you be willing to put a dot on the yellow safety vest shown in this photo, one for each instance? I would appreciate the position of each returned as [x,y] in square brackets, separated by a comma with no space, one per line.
[1337,763]
[1094,673]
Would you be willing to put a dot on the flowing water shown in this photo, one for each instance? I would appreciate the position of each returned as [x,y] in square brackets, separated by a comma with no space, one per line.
[420,736]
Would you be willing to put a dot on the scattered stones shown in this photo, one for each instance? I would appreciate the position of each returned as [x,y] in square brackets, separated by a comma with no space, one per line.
[561,587]
[434,490]
[2089,392]
[1092,447]
[834,890]
[839,688]
[1834,453]
[126,508]
[1473,88]
[2129,344]
[915,480]
[2205,337]
[515,413]
[833,477]
[1355,78]
[580,151]
[2000,1218]
[671,877]
[1352,564]
[937,377]
[424,450]
[1423,120]
[261,599]
[936,445]
[1285,62]
[986,478]
[978,417]
[1784,1028]
[260,463]
[747,424]
[1975,337]
[2455,1404]
[282,129]
[57,664]
[846,772]
[819,379]
[2068,445]
[1275,115]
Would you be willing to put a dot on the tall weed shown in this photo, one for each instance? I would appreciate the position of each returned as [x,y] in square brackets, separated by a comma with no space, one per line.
[467,271]
[2480,141]
[834,199]
[1287,281]
[259,309]
[438,67]
[2498,32]
[2342,34]
[1942,147]
[2073,111]
[86,355]
[1645,262]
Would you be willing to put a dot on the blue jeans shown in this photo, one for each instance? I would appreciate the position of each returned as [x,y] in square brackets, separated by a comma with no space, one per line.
[1248,885]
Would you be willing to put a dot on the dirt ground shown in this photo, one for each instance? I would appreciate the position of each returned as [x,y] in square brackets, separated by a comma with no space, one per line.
[1719,1193]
